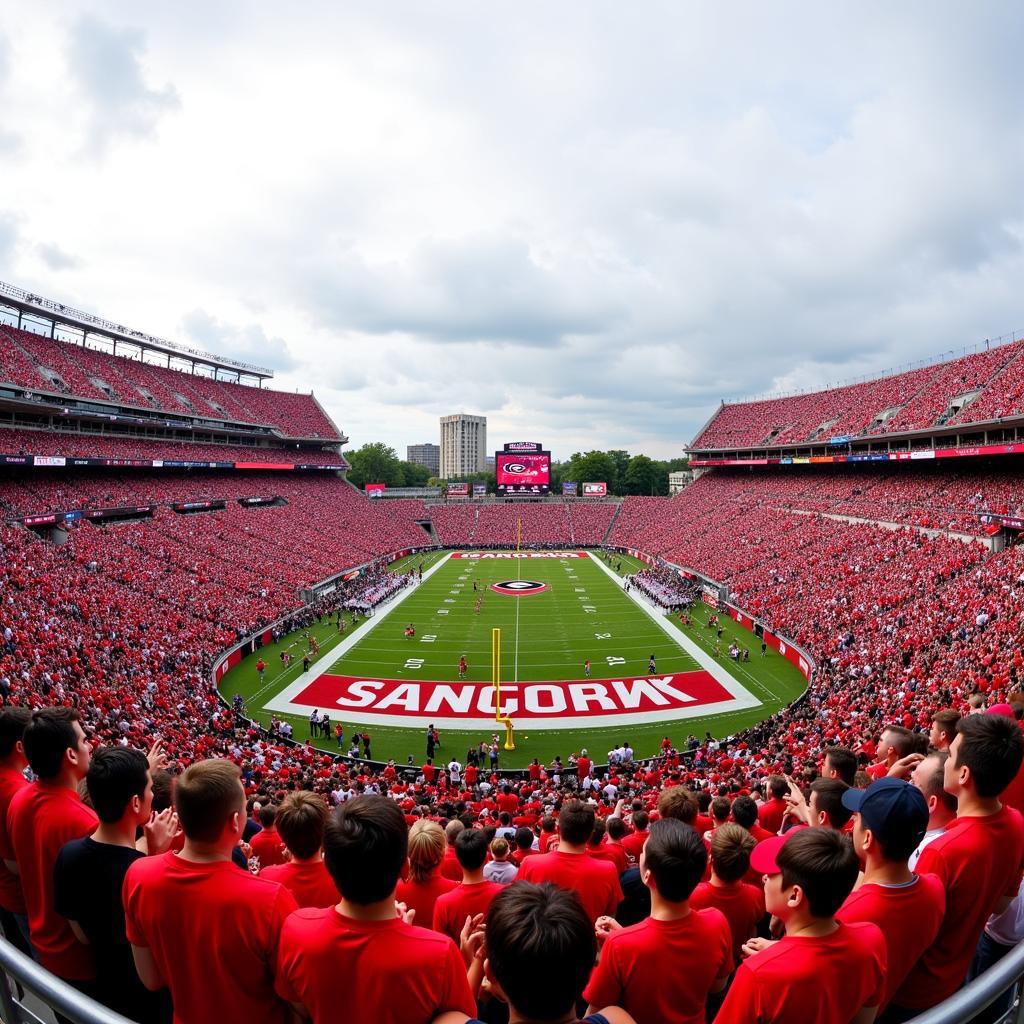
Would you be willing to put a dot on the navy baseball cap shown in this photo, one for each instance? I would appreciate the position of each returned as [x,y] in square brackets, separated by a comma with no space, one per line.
[891,808]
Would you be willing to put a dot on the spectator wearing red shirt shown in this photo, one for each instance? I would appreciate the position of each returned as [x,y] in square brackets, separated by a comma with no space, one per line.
[772,811]
[267,844]
[474,893]
[571,867]
[638,969]
[548,833]
[508,801]
[540,952]
[40,820]
[890,818]
[839,763]
[524,840]
[197,923]
[896,742]
[420,891]
[822,970]
[450,866]
[634,842]
[429,771]
[979,858]
[744,814]
[583,764]
[742,904]
[942,730]
[611,848]
[13,914]
[362,951]
[300,824]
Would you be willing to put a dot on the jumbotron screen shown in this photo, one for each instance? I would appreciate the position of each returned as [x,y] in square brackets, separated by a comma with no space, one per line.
[521,473]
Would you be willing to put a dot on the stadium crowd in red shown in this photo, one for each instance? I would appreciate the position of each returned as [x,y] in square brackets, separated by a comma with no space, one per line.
[24,356]
[918,397]
[543,525]
[123,624]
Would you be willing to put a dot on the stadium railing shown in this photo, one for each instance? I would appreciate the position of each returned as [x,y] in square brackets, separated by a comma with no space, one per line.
[21,976]
[19,973]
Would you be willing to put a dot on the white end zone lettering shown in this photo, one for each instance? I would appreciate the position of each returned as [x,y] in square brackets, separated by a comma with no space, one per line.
[535,705]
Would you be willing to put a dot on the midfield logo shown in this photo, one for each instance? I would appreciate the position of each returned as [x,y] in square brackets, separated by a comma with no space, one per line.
[518,588]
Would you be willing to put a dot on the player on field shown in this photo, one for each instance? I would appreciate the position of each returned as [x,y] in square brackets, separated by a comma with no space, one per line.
[462,667]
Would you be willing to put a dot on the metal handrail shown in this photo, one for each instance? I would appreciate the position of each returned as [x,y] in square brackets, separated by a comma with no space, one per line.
[962,1006]
[50,990]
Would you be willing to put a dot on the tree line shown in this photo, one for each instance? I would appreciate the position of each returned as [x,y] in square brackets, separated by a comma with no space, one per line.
[376,462]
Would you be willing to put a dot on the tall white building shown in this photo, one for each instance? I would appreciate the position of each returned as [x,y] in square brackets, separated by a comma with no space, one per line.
[463,445]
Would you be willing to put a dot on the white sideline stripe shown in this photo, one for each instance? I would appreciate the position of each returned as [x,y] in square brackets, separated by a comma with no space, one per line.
[282,702]
[714,668]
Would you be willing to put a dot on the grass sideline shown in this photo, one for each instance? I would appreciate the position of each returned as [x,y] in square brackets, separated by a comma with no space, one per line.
[555,636]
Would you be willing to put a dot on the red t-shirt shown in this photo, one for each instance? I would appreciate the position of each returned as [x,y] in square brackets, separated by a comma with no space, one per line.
[741,904]
[770,815]
[389,971]
[453,907]
[633,844]
[612,852]
[450,866]
[213,931]
[978,860]
[11,897]
[421,896]
[267,846]
[908,916]
[596,882]
[639,968]
[804,979]
[508,802]
[546,839]
[40,820]
[307,880]
[877,771]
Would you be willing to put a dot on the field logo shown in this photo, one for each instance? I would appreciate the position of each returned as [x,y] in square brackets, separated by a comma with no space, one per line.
[518,588]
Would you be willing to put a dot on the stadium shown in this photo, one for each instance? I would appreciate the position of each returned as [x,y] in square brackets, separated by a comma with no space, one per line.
[681,683]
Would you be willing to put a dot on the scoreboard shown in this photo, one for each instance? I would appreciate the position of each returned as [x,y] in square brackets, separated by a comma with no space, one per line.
[522,467]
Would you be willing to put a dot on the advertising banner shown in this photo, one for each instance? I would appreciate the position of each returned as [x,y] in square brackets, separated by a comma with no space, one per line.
[569,488]
[375,490]
[522,474]
[479,490]
[458,490]
[595,490]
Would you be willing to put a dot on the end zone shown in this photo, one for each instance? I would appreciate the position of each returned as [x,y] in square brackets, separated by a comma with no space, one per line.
[580,703]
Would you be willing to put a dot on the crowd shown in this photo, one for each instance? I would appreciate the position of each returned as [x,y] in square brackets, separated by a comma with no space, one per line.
[93,374]
[665,587]
[107,446]
[916,400]
[544,524]
[870,889]
[122,624]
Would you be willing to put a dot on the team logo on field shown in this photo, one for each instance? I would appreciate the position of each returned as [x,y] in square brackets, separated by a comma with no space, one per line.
[516,588]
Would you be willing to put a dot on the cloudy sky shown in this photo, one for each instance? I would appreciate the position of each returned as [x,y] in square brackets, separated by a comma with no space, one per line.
[588,221]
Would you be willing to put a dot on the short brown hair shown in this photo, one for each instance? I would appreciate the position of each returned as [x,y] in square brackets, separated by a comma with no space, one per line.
[822,862]
[300,821]
[731,846]
[679,803]
[946,721]
[575,822]
[207,794]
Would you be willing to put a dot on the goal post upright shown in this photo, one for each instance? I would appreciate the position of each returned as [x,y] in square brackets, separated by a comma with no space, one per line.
[496,683]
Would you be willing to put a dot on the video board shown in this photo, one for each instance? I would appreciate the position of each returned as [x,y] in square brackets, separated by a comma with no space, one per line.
[522,467]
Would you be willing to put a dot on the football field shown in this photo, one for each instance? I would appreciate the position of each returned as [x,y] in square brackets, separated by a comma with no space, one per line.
[555,611]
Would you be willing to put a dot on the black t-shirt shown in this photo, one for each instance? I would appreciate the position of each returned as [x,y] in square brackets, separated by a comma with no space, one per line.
[87,881]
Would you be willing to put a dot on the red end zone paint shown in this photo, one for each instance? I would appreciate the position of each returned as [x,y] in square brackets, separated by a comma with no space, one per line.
[554,704]
[479,556]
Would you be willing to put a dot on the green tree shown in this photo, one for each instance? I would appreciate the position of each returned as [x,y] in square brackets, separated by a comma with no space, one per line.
[596,467]
[375,462]
[416,475]
[641,475]
[617,485]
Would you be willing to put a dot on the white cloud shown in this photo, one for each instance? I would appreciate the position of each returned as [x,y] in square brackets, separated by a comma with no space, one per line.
[590,223]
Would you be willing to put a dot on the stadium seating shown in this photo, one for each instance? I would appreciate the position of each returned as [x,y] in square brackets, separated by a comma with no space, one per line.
[78,445]
[915,400]
[24,356]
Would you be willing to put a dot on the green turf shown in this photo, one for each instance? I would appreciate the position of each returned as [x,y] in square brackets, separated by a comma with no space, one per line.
[555,635]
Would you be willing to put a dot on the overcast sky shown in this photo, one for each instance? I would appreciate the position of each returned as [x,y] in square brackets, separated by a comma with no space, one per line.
[588,221]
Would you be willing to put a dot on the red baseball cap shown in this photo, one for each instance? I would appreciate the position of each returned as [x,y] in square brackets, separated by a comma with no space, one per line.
[764,859]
